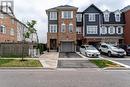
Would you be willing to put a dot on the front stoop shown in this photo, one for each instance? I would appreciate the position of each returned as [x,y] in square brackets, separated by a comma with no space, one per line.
[49,60]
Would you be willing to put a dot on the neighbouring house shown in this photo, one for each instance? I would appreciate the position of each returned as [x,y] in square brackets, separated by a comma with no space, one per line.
[12,30]
[61,34]
[126,12]
[100,26]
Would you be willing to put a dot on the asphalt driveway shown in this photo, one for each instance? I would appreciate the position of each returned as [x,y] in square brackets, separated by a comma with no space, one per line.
[69,55]
[75,64]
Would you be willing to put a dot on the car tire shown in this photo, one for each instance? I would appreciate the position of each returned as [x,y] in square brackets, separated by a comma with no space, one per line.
[109,54]
[86,54]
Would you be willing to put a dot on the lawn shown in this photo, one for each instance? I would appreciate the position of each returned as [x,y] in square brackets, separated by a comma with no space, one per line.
[104,63]
[19,63]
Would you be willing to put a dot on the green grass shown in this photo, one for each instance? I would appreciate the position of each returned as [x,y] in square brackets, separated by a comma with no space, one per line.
[19,63]
[104,63]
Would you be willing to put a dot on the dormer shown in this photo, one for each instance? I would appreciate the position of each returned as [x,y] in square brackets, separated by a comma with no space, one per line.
[106,15]
[117,15]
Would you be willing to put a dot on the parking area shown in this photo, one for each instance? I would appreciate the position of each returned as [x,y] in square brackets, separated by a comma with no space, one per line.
[75,64]
[69,55]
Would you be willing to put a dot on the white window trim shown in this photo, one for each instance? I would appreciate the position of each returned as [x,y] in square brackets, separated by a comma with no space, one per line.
[92,17]
[52,30]
[106,17]
[53,15]
[79,17]
[94,31]
[109,31]
[117,28]
[63,30]
[69,27]
[101,30]
[117,19]
[67,16]
[4,29]
[12,32]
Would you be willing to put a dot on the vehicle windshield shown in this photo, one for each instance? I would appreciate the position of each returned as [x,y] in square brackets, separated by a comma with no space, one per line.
[90,48]
[129,46]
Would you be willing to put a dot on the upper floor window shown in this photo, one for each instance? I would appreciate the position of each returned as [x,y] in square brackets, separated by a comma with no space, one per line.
[92,17]
[119,30]
[67,14]
[78,30]
[103,30]
[12,32]
[53,15]
[53,28]
[70,27]
[92,30]
[12,21]
[111,30]
[1,15]
[79,17]
[106,17]
[2,29]
[117,17]
[63,27]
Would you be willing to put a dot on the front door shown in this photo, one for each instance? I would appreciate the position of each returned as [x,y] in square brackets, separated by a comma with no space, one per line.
[53,43]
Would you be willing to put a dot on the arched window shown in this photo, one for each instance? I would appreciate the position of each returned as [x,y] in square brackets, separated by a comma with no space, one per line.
[63,27]
[103,30]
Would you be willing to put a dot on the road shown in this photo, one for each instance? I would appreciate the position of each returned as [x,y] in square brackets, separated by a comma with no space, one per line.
[64,78]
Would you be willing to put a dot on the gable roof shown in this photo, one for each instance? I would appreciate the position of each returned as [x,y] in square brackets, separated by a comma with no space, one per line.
[92,5]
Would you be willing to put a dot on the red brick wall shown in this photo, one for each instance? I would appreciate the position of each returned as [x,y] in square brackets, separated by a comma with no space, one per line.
[127,27]
[6,21]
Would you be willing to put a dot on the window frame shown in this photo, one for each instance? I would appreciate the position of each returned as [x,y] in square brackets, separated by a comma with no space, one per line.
[63,27]
[3,29]
[53,28]
[70,27]
[66,14]
[105,30]
[53,16]
[92,31]
[117,30]
[12,32]
[79,17]
[92,17]
[78,30]
[111,27]
[106,17]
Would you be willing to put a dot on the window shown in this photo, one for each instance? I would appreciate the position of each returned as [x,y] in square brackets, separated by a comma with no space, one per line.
[103,30]
[63,27]
[53,28]
[79,17]
[91,29]
[67,14]
[1,15]
[111,30]
[106,17]
[119,30]
[53,15]
[12,31]
[117,17]
[2,29]
[70,27]
[78,30]
[12,21]
[92,17]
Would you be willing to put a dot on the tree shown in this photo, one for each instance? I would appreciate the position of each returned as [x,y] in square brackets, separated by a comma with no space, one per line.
[30,31]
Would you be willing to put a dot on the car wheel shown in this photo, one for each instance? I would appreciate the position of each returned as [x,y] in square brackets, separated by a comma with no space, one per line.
[86,54]
[109,54]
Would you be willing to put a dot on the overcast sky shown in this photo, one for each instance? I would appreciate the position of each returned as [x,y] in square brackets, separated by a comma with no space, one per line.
[26,10]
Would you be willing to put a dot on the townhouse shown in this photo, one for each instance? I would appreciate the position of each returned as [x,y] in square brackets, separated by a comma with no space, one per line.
[91,26]
[61,34]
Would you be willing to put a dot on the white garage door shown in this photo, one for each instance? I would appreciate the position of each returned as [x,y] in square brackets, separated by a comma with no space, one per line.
[67,47]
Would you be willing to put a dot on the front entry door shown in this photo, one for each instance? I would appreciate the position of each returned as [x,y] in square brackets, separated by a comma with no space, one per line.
[53,44]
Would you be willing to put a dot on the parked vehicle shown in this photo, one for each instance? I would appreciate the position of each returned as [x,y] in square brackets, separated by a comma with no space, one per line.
[89,50]
[112,50]
[126,48]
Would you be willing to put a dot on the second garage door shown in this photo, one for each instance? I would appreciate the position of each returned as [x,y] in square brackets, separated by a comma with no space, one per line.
[67,47]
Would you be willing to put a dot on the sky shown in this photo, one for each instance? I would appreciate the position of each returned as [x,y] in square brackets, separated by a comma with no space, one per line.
[26,10]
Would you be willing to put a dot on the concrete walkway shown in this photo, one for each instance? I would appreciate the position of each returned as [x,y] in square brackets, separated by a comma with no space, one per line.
[49,60]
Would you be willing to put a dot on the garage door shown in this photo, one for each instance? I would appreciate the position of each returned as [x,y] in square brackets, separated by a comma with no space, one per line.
[67,47]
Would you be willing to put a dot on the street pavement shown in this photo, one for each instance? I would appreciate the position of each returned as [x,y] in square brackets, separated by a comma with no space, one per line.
[64,78]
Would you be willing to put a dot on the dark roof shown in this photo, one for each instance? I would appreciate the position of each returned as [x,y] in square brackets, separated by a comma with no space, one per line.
[112,19]
[92,5]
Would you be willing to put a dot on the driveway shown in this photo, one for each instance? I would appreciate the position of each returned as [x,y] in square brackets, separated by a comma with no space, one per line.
[69,55]
[75,64]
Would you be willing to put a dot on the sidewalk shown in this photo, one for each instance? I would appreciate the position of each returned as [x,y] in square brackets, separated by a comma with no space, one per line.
[49,60]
